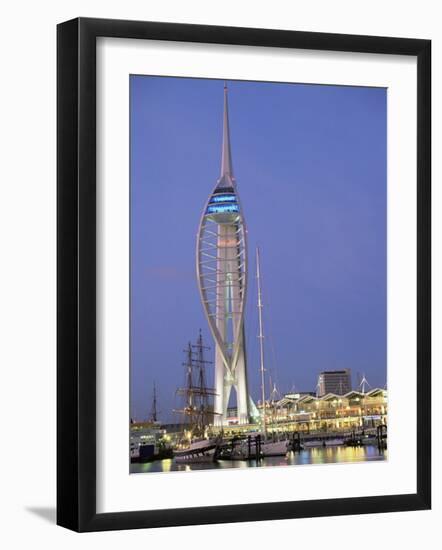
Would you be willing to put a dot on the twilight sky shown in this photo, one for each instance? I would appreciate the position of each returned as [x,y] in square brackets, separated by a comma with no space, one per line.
[310,165]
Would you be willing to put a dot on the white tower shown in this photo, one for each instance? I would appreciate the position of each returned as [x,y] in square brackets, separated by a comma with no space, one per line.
[221,263]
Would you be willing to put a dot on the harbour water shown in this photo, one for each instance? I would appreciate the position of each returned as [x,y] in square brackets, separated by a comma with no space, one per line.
[316,455]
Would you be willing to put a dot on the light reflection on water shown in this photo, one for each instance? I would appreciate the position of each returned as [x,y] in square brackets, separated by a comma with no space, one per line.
[316,455]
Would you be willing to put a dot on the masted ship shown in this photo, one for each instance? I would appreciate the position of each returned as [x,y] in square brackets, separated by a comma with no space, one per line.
[196,443]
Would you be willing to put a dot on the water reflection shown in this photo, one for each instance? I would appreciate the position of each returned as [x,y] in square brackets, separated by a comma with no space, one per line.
[316,455]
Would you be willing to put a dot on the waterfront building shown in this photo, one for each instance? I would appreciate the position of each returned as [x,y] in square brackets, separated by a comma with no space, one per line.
[334,381]
[304,412]
[331,412]
[221,261]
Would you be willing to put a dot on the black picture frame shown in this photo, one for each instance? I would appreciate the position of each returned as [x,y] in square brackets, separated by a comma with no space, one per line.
[76,273]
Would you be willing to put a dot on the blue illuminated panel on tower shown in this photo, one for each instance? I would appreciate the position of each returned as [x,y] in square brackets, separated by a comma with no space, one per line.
[222,208]
[223,198]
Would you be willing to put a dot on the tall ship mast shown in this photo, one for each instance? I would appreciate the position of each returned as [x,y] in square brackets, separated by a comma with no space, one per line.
[197,396]
[154,411]
[261,344]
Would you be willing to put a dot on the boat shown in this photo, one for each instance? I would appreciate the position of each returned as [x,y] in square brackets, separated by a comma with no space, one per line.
[197,452]
[195,445]
[269,446]
[369,440]
[357,440]
[148,440]
[274,448]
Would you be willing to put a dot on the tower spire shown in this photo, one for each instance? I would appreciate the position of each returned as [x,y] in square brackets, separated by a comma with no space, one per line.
[221,266]
[226,159]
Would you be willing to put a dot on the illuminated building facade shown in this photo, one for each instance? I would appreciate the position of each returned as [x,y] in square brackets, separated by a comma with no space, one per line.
[331,412]
[221,263]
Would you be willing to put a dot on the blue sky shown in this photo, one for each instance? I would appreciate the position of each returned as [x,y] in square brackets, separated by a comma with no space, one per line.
[310,165]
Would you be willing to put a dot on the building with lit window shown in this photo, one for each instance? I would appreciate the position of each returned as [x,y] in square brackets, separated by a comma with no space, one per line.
[331,412]
[334,381]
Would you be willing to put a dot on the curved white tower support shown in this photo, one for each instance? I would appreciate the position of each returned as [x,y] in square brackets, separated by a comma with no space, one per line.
[221,263]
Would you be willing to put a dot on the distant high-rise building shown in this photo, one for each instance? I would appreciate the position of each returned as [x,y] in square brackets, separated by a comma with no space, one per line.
[334,381]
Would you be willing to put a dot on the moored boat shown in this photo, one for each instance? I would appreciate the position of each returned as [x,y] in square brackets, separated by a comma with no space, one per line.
[196,452]
[195,445]
[274,448]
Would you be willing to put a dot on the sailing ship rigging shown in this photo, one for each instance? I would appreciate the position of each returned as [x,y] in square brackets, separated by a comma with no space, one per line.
[154,411]
[270,447]
[261,344]
[197,396]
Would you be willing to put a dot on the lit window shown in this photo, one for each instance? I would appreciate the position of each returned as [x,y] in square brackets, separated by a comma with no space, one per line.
[219,209]
[223,198]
